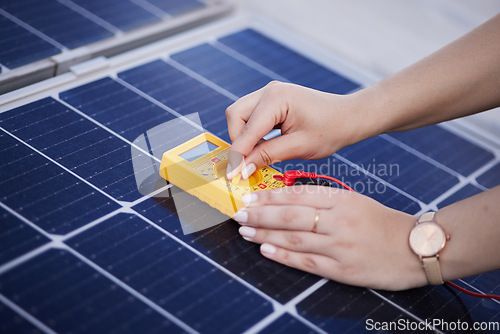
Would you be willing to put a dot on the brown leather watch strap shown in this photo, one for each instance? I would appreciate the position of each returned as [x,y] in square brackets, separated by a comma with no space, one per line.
[432,270]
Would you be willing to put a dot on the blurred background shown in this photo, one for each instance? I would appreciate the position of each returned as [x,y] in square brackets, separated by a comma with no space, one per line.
[382,36]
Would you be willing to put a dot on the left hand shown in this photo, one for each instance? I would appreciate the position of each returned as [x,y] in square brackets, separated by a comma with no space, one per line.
[358,240]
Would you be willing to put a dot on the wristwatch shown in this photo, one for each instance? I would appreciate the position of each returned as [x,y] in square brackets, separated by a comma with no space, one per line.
[427,239]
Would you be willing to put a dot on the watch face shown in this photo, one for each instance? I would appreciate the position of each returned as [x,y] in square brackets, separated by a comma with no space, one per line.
[427,239]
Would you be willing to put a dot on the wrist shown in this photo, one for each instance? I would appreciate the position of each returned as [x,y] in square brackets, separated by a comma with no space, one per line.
[368,114]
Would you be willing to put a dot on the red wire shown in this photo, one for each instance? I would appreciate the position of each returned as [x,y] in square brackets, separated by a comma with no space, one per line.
[336,181]
[468,292]
[290,176]
[289,179]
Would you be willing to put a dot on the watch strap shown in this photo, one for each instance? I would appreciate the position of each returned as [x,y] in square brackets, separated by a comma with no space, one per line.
[432,270]
[427,217]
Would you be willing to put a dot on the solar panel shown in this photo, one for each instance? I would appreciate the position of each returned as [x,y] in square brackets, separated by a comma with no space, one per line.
[41,35]
[87,251]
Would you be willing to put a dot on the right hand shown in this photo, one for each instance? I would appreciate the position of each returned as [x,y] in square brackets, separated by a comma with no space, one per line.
[313,125]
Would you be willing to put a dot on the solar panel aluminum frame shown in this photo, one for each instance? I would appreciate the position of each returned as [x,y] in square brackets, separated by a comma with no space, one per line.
[49,67]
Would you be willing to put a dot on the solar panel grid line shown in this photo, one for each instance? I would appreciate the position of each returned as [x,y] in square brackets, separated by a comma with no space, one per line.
[151,8]
[263,324]
[474,134]
[59,165]
[379,179]
[74,200]
[158,103]
[33,30]
[25,257]
[276,305]
[473,287]
[91,16]
[130,290]
[26,221]
[93,223]
[248,61]
[400,308]
[422,156]
[26,315]
[473,177]
[434,204]
[107,129]
[202,79]
[291,306]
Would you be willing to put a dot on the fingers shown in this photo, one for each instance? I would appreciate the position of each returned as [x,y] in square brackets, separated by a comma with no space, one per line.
[279,217]
[299,241]
[239,112]
[262,110]
[314,263]
[309,195]
[281,148]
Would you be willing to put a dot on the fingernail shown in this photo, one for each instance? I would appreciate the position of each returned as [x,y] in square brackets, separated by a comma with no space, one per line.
[268,249]
[248,170]
[247,232]
[241,216]
[247,199]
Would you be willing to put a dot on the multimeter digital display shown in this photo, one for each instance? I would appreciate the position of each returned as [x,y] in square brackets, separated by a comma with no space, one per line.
[199,167]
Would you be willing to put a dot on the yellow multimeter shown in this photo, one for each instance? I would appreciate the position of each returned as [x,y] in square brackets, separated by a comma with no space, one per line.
[199,167]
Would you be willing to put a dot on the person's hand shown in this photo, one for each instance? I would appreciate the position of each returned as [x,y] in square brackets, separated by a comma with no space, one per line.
[358,241]
[313,125]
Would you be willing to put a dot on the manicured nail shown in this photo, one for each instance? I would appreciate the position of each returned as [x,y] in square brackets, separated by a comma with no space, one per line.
[247,232]
[248,170]
[248,199]
[241,216]
[268,249]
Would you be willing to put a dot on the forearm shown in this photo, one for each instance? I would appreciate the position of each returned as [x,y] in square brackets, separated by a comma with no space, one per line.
[474,228]
[460,79]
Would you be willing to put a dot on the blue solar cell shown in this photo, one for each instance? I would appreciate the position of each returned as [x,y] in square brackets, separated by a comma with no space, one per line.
[11,322]
[337,308]
[354,178]
[488,283]
[490,178]
[182,93]
[449,305]
[116,107]
[176,7]
[57,21]
[224,245]
[66,294]
[224,70]
[125,15]
[172,276]
[287,324]
[16,237]
[467,191]
[447,148]
[44,193]
[19,47]
[287,63]
[77,143]
[397,166]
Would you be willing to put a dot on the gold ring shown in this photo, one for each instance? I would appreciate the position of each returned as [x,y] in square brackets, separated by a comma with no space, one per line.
[316,220]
